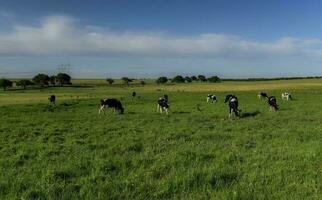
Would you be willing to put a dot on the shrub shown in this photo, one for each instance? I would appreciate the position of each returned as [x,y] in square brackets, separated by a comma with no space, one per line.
[41,79]
[109,81]
[53,80]
[143,83]
[188,79]
[63,79]
[214,79]
[178,79]
[5,83]
[162,80]
[194,78]
[126,80]
[24,83]
[202,78]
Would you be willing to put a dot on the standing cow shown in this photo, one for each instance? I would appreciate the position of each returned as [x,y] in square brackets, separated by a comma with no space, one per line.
[212,98]
[233,105]
[272,103]
[133,95]
[286,96]
[52,100]
[163,104]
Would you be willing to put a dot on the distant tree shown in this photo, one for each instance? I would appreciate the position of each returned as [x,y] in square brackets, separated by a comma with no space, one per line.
[110,81]
[202,78]
[194,78]
[162,80]
[53,80]
[63,79]
[24,83]
[126,81]
[214,79]
[143,83]
[5,83]
[178,79]
[41,79]
[188,79]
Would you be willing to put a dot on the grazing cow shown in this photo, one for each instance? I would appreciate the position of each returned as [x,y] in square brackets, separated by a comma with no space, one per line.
[262,95]
[287,96]
[52,100]
[212,98]
[233,105]
[163,104]
[133,95]
[111,103]
[272,103]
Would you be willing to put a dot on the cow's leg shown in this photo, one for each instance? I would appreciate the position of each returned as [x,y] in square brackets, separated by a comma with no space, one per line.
[158,108]
[101,109]
[236,112]
[105,108]
[161,108]
[166,111]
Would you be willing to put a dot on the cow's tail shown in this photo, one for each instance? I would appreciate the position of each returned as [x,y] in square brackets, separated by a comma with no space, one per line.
[121,110]
[120,107]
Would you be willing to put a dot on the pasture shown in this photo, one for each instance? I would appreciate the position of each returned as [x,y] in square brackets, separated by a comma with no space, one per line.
[196,152]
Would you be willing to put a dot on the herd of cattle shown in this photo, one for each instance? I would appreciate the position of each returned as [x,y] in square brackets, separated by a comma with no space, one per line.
[163,102]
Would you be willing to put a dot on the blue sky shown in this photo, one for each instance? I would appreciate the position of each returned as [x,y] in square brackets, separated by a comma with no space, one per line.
[232,39]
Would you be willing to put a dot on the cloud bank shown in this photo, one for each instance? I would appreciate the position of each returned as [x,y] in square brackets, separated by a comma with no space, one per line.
[61,35]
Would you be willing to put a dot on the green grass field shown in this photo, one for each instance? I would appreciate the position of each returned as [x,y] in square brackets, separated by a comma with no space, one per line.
[73,153]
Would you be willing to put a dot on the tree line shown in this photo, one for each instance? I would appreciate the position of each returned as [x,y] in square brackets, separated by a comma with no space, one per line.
[41,80]
[177,79]
[126,81]
[275,79]
[188,79]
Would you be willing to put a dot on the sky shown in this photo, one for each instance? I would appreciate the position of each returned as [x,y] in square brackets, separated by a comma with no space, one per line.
[100,39]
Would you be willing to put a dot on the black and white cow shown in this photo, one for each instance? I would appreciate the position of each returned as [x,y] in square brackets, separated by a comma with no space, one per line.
[272,103]
[233,105]
[163,104]
[52,100]
[286,96]
[212,98]
[111,103]
[262,95]
[133,95]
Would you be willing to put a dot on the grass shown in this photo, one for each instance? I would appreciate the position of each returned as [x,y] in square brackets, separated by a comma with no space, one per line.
[72,153]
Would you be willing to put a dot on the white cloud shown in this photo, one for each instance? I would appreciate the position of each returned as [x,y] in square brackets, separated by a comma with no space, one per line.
[61,35]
